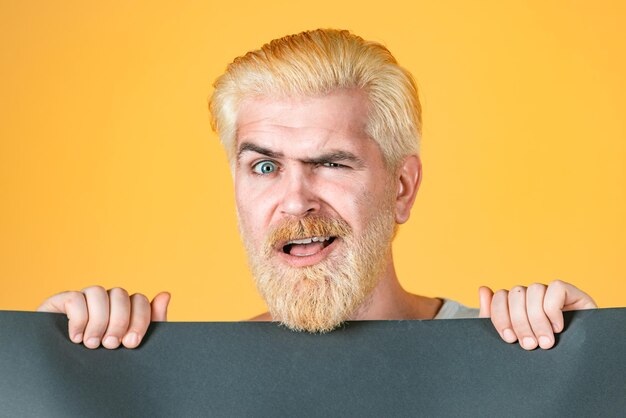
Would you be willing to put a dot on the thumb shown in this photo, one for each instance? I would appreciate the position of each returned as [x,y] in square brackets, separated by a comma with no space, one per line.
[485,295]
[159,306]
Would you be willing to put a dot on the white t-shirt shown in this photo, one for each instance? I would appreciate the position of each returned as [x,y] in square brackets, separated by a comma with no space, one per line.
[454,310]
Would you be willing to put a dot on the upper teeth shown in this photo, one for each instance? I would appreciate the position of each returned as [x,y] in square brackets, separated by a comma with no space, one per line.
[308,240]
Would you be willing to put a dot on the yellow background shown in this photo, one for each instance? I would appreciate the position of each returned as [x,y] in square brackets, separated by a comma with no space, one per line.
[110,174]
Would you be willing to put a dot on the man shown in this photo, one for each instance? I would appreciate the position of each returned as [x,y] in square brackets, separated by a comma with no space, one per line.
[322,132]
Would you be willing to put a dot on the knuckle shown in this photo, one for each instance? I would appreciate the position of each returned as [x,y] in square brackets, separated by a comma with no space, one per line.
[118,324]
[500,321]
[140,325]
[73,297]
[535,287]
[535,316]
[139,297]
[551,306]
[96,325]
[502,293]
[517,289]
[74,303]
[118,290]
[559,284]
[94,289]
[519,320]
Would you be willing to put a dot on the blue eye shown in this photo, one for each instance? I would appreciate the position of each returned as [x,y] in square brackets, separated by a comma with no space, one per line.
[264,167]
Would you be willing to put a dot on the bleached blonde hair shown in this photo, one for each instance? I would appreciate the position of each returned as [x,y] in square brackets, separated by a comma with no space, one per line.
[315,63]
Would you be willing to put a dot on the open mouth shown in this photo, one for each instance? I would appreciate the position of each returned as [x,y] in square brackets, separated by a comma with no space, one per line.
[307,246]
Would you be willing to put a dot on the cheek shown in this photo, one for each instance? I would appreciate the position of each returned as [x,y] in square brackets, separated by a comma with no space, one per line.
[373,197]
[351,200]
[254,209]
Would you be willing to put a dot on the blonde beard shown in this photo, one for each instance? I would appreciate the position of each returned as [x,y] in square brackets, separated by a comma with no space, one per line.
[320,297]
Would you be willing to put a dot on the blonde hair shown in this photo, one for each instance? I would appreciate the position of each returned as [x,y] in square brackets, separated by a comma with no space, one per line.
[318,62]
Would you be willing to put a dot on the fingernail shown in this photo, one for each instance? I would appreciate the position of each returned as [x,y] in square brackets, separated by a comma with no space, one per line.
[509,336]
[529,343]
[111,342]
[545,342]
[131,339]
[77,338]
[92,342]
[556,327]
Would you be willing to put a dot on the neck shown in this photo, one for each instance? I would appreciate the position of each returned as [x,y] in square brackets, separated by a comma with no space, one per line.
[389,301]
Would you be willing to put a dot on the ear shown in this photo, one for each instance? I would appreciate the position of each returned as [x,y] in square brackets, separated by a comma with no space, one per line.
[408,178]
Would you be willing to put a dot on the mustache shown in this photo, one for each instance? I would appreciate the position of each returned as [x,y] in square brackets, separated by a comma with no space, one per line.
[309,226]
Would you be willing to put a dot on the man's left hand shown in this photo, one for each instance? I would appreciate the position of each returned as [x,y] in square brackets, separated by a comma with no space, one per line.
[532,315]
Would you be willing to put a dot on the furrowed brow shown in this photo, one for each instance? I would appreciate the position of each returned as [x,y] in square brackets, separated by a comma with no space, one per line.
[248,146]
[334,157]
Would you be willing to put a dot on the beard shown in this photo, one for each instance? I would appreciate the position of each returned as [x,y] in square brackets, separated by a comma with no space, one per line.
[320,297]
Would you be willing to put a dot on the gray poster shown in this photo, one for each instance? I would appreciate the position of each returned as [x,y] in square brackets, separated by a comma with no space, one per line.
[442,368]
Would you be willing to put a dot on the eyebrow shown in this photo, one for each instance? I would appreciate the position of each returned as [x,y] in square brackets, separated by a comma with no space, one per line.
[248,146]
[332,156]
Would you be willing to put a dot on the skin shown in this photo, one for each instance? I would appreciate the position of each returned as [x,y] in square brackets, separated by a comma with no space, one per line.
[317,159]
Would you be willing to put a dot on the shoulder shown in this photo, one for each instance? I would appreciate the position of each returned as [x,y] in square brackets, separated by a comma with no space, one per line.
[451,309]
[264,317]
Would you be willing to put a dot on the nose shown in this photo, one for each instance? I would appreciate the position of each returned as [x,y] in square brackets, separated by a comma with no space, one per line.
[298,198]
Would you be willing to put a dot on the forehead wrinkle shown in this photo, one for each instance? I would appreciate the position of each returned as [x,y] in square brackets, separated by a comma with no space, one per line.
[342,125]
[263,137]
[310,135]
[324,146]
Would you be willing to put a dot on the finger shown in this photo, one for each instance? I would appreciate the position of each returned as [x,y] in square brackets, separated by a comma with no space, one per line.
[119,317]
[74,306]
[519,318]
[159,306]
[485,296]
[139,320]
[98,308]
[539,322]
[500,316]
[561,296]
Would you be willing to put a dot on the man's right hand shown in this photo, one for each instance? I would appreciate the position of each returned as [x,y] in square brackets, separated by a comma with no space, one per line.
[110,317]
